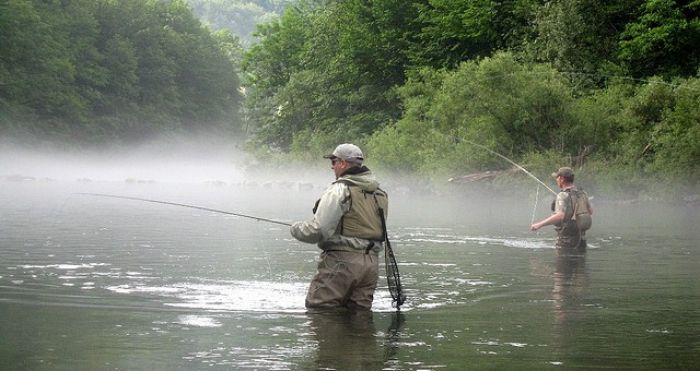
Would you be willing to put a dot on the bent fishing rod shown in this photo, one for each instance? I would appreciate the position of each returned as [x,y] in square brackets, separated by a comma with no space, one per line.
[189,206]
[510,161]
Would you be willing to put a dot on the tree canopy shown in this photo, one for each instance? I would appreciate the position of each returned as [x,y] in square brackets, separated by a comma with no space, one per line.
[416,80]
[118,69]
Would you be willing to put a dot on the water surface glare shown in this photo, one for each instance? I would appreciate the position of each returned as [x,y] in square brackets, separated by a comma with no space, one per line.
[97,283]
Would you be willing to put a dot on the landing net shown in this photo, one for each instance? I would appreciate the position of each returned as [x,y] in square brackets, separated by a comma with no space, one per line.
[393,278]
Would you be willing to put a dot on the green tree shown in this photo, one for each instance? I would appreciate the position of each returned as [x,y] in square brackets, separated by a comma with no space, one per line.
[113,69]
[450,32]
[664,39]
[497,102]
[38,61]
[267,68]
[327,69]
[579,36]
[676,140]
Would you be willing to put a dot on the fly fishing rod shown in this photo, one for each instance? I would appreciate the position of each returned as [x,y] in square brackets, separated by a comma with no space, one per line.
[512,162]
[189,206]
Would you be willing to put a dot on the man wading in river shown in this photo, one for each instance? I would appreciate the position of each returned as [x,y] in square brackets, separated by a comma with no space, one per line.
[348,228]
[572,213]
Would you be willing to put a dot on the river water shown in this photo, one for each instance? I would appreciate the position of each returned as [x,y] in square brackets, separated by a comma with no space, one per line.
[91,283]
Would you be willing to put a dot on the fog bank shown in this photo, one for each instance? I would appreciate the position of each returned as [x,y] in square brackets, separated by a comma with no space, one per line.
[173,160]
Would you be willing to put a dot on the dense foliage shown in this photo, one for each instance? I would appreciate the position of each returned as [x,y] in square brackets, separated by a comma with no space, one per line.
[607,86]
[113,69]
[627,132]
[326,72]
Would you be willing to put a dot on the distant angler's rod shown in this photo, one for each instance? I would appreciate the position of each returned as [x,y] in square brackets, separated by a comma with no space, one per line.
[512,162]
[189,206]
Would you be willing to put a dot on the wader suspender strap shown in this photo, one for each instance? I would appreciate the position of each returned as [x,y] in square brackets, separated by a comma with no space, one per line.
[381,217]
[573,214]
[385,236]
[574,205]
[348,199]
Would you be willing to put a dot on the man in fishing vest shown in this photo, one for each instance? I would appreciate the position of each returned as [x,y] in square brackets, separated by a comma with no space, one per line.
[571,214]
[348,228]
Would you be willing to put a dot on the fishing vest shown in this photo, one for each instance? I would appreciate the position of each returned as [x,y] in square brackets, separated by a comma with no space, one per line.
[363,220]
[580,213]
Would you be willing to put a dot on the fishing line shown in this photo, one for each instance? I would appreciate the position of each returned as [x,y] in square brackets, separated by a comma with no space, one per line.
[534,209]
[275,288]
[189,206]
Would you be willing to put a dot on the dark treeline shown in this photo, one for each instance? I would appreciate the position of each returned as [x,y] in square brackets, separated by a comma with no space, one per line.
[610,87]
[105,70]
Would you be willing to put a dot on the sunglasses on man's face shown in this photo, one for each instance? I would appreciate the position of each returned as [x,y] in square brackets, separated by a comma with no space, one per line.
[334,161]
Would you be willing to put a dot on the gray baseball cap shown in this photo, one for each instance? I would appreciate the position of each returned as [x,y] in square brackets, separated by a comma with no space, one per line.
[566,172]
[347,152]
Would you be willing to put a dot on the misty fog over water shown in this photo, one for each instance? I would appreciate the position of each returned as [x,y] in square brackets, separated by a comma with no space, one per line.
[171,161]
[87,281]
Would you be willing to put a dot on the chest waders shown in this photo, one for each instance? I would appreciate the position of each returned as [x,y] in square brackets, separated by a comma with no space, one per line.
[355,224]
[580,219]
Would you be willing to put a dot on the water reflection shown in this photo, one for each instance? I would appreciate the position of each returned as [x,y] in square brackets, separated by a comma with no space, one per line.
[348,340]
[570,283]
[392,341]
